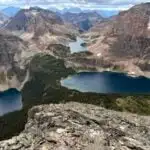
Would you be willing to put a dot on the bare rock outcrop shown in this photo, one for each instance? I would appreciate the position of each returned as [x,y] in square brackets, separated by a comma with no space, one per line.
[75,126]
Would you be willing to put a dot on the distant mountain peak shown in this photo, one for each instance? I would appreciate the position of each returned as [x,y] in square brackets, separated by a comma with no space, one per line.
[83,20]
[33,19]
[40,27]
[72,10]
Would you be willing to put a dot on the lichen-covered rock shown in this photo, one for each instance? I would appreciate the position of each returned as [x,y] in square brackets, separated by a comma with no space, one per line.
[75,126]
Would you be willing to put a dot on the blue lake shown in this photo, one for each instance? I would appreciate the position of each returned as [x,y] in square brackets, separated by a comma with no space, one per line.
[107,82]
[10,100]
[76,46]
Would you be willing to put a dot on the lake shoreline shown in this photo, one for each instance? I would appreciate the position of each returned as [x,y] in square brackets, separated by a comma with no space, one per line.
[79,67]
[107,82]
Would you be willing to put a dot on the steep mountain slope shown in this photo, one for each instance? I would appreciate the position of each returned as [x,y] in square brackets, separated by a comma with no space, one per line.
[13,58]
[82,20]
[40,27]
[3,18]
[10,11]
[124,39]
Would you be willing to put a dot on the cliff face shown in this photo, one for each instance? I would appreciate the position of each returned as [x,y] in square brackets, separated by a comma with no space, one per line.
[124,39]
[75,126]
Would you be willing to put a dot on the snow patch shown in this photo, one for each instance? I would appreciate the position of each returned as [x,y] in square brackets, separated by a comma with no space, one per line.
[99,54]
[132,72]
[148,26]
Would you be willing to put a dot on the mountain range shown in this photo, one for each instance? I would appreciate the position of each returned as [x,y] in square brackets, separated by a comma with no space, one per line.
[122,40]
[77,10]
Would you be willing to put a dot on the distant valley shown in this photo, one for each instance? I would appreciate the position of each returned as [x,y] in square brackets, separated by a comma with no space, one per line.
[119,43]
[41,47]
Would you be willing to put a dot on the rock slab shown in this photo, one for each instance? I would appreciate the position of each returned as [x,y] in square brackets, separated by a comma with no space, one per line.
[76,126]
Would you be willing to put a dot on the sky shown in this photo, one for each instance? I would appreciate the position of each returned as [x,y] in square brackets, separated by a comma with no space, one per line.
[84,4]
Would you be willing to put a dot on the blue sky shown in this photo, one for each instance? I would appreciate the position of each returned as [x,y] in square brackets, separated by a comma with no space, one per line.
[93,4]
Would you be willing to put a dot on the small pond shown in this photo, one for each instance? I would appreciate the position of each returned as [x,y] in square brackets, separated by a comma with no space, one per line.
[77,46]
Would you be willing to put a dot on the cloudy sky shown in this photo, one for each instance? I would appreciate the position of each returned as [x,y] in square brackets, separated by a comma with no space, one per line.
[93,4]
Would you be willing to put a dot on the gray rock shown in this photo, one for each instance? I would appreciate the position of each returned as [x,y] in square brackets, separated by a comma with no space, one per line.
[75,126]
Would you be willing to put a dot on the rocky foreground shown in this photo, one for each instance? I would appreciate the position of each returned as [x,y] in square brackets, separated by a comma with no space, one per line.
[75,126]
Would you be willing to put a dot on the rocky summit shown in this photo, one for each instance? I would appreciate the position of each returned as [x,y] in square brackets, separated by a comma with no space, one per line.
[75,126]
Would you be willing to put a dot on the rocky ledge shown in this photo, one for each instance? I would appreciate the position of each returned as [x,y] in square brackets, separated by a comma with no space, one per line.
[75,126]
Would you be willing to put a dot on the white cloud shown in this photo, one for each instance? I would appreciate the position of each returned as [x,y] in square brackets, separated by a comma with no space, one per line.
[128,1]
[93,4]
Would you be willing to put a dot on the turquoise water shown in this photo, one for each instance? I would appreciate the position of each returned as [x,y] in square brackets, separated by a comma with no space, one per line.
[10,100]
[107,82]
[76,46]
